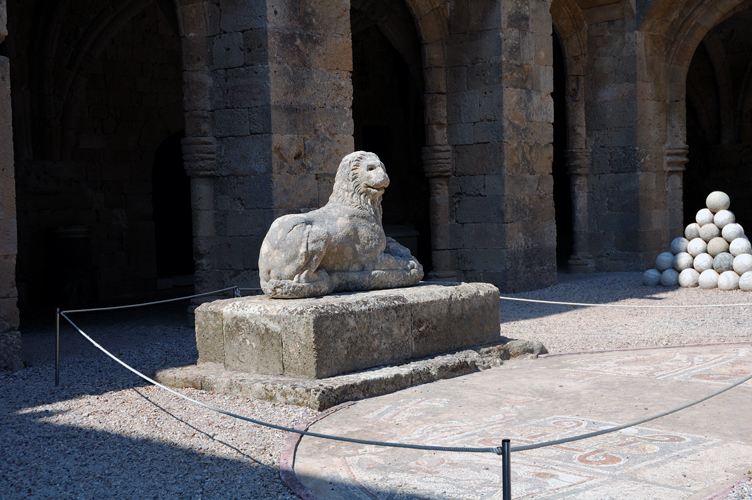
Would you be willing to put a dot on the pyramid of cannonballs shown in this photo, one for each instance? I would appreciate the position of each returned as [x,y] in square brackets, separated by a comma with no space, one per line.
[714,253]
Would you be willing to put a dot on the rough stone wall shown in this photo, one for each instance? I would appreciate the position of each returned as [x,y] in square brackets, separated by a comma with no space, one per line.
[611,114]
[500,114]
[282,120]
[10,338]
[131,101]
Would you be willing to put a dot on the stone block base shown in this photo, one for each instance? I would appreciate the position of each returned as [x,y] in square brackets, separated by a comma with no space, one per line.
[343,333]
[324,393]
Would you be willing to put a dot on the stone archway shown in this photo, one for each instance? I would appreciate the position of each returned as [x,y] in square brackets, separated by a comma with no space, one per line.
[671,31]
[432,20]
[571,29]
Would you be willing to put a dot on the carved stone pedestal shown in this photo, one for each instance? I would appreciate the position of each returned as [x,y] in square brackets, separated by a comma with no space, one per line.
[336,334]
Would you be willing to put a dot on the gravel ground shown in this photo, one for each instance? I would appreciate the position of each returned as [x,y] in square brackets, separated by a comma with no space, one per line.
[741,491]
[567,328]
[105,434]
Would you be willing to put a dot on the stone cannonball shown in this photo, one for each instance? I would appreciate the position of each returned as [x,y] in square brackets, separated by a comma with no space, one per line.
[742,263]
[708,279]
[717,245]
[732,231]
[745,282]
[703,262]
[688,278]
[704,216]
[664,261]
[723,217]
[709,231]
[692,231]
[728,280]
[679,245]
[717,200]
[683,261]
[651,277]
[669,277]
[696,247]
[723,262]
[740,246]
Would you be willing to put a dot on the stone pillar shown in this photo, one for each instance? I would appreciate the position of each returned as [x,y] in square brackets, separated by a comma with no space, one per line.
[437,165]
[676,159]
[10,338]
[578,166]
[199,159]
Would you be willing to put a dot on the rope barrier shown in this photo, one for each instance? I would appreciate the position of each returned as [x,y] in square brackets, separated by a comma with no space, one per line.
[496,450]
[503,450]
[637,306]
[130,306]
[631,424]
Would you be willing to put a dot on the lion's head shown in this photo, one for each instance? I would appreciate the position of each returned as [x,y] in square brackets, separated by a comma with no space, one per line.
[360,182]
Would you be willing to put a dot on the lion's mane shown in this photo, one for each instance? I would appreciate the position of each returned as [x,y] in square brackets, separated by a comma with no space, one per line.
[348,187]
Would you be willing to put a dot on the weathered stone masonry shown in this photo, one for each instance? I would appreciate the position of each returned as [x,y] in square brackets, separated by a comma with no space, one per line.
[656,103]
[10,338]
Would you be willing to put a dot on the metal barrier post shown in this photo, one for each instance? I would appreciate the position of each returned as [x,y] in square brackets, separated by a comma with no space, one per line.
[506,467]
[57,349]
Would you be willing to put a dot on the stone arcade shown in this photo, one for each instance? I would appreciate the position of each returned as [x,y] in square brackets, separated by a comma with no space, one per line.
[523,137]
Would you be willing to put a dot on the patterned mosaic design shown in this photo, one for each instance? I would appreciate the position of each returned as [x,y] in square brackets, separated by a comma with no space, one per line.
[667,365]
[624,462]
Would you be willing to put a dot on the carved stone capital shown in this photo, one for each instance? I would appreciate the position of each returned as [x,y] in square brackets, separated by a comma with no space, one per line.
[200,156]
[577,161]
[676,158]
[437,161]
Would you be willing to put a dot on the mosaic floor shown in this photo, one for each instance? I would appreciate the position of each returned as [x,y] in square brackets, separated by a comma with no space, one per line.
[670,460]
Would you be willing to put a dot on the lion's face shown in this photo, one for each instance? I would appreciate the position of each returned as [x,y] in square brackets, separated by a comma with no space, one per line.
[371,178]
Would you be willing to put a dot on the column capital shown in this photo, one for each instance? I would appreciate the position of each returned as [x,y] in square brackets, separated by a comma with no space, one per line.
[577,161]
[437,161]
[200,156]
[676,158]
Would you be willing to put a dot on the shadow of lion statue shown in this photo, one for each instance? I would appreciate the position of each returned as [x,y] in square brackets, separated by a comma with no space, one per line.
[341,246]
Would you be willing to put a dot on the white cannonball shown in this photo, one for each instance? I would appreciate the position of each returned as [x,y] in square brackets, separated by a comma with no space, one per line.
[692,231]
[709,231]
[704,216]
[682,261]
[717,245]
[703,262]
[717,200]
[679,245]
[732,231]
[664,261]
[688,278]
[740,246]
[723,262]
[696,247]
[742,263]
[745,282]
[728,280]
[708,279]
[723,217]
[669,277]
[651,277]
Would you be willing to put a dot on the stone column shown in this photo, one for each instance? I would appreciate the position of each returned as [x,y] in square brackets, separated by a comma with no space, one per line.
[578,166]
[437,165]
[10,338]
[676,159]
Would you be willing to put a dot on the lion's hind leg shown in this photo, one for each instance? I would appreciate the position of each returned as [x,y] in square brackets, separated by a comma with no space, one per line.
[301,246]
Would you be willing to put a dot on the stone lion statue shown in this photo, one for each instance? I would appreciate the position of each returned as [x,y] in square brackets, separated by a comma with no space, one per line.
[341,246]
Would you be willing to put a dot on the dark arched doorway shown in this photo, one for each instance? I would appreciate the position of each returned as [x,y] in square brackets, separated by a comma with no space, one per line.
[171,199]
[719,119]
[388,117]
[562,190]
